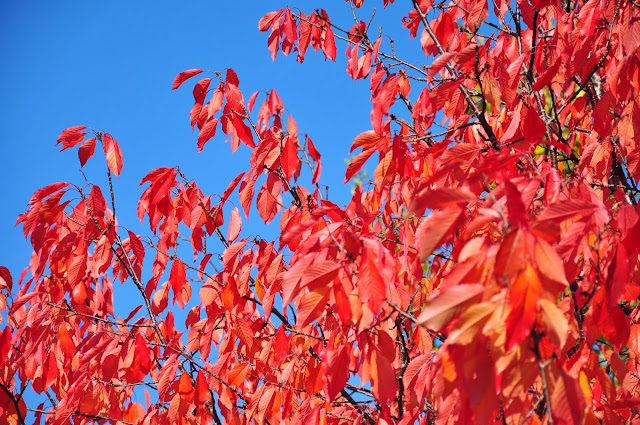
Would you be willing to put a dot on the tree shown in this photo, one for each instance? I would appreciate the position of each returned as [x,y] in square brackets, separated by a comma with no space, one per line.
[488,274]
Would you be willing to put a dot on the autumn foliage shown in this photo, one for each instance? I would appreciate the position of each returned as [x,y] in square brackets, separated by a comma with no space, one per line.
[489,272]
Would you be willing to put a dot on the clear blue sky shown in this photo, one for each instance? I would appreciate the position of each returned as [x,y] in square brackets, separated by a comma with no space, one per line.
[109,65]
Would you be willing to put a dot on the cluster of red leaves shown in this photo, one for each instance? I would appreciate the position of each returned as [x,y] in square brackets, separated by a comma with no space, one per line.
[489,274]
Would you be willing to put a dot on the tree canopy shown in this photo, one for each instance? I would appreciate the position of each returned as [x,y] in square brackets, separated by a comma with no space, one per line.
[487,273]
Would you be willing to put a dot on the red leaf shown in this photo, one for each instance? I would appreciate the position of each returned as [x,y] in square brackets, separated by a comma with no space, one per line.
[563,210]
[634,340]
[567,398]
[441,198]
[383,378]
[477,12]
[202,389]
[232,251]
[523,299]
[357,162]
[232,77]
[86,150]
[206,133]
[184,76]
[71,136]
[246,194]
[317,171]
[42,193]
[365,140]
[51,369]
[304,38]
[235,225]
[113,153]
[289,159]
[200,89]
[160,299]
[102,255]
[549,262]
[620,278]
[143,354]
[329,44]
[5,345]
[434,229]
[548,75]
[267,20]
[313,152]
[244,332]
[252,101]
[312,305]
[517,210]
[6,281]
[242,131]
[335,364]
[319,273]
[231,188]
[281,345]
[178,408]
[178,276]
[439,64]
[136,246]
[373,289]
[533,127]
[268,201]
[461,155]
[556,324]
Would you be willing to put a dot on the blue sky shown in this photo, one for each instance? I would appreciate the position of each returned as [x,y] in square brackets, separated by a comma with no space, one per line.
[109,65]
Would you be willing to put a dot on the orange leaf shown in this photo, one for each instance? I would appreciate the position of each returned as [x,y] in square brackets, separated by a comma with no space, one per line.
[185,387]
[470,323]
[444,306]
[66,342]
[555,322]
[549,262]
[238,374]
[523,299]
